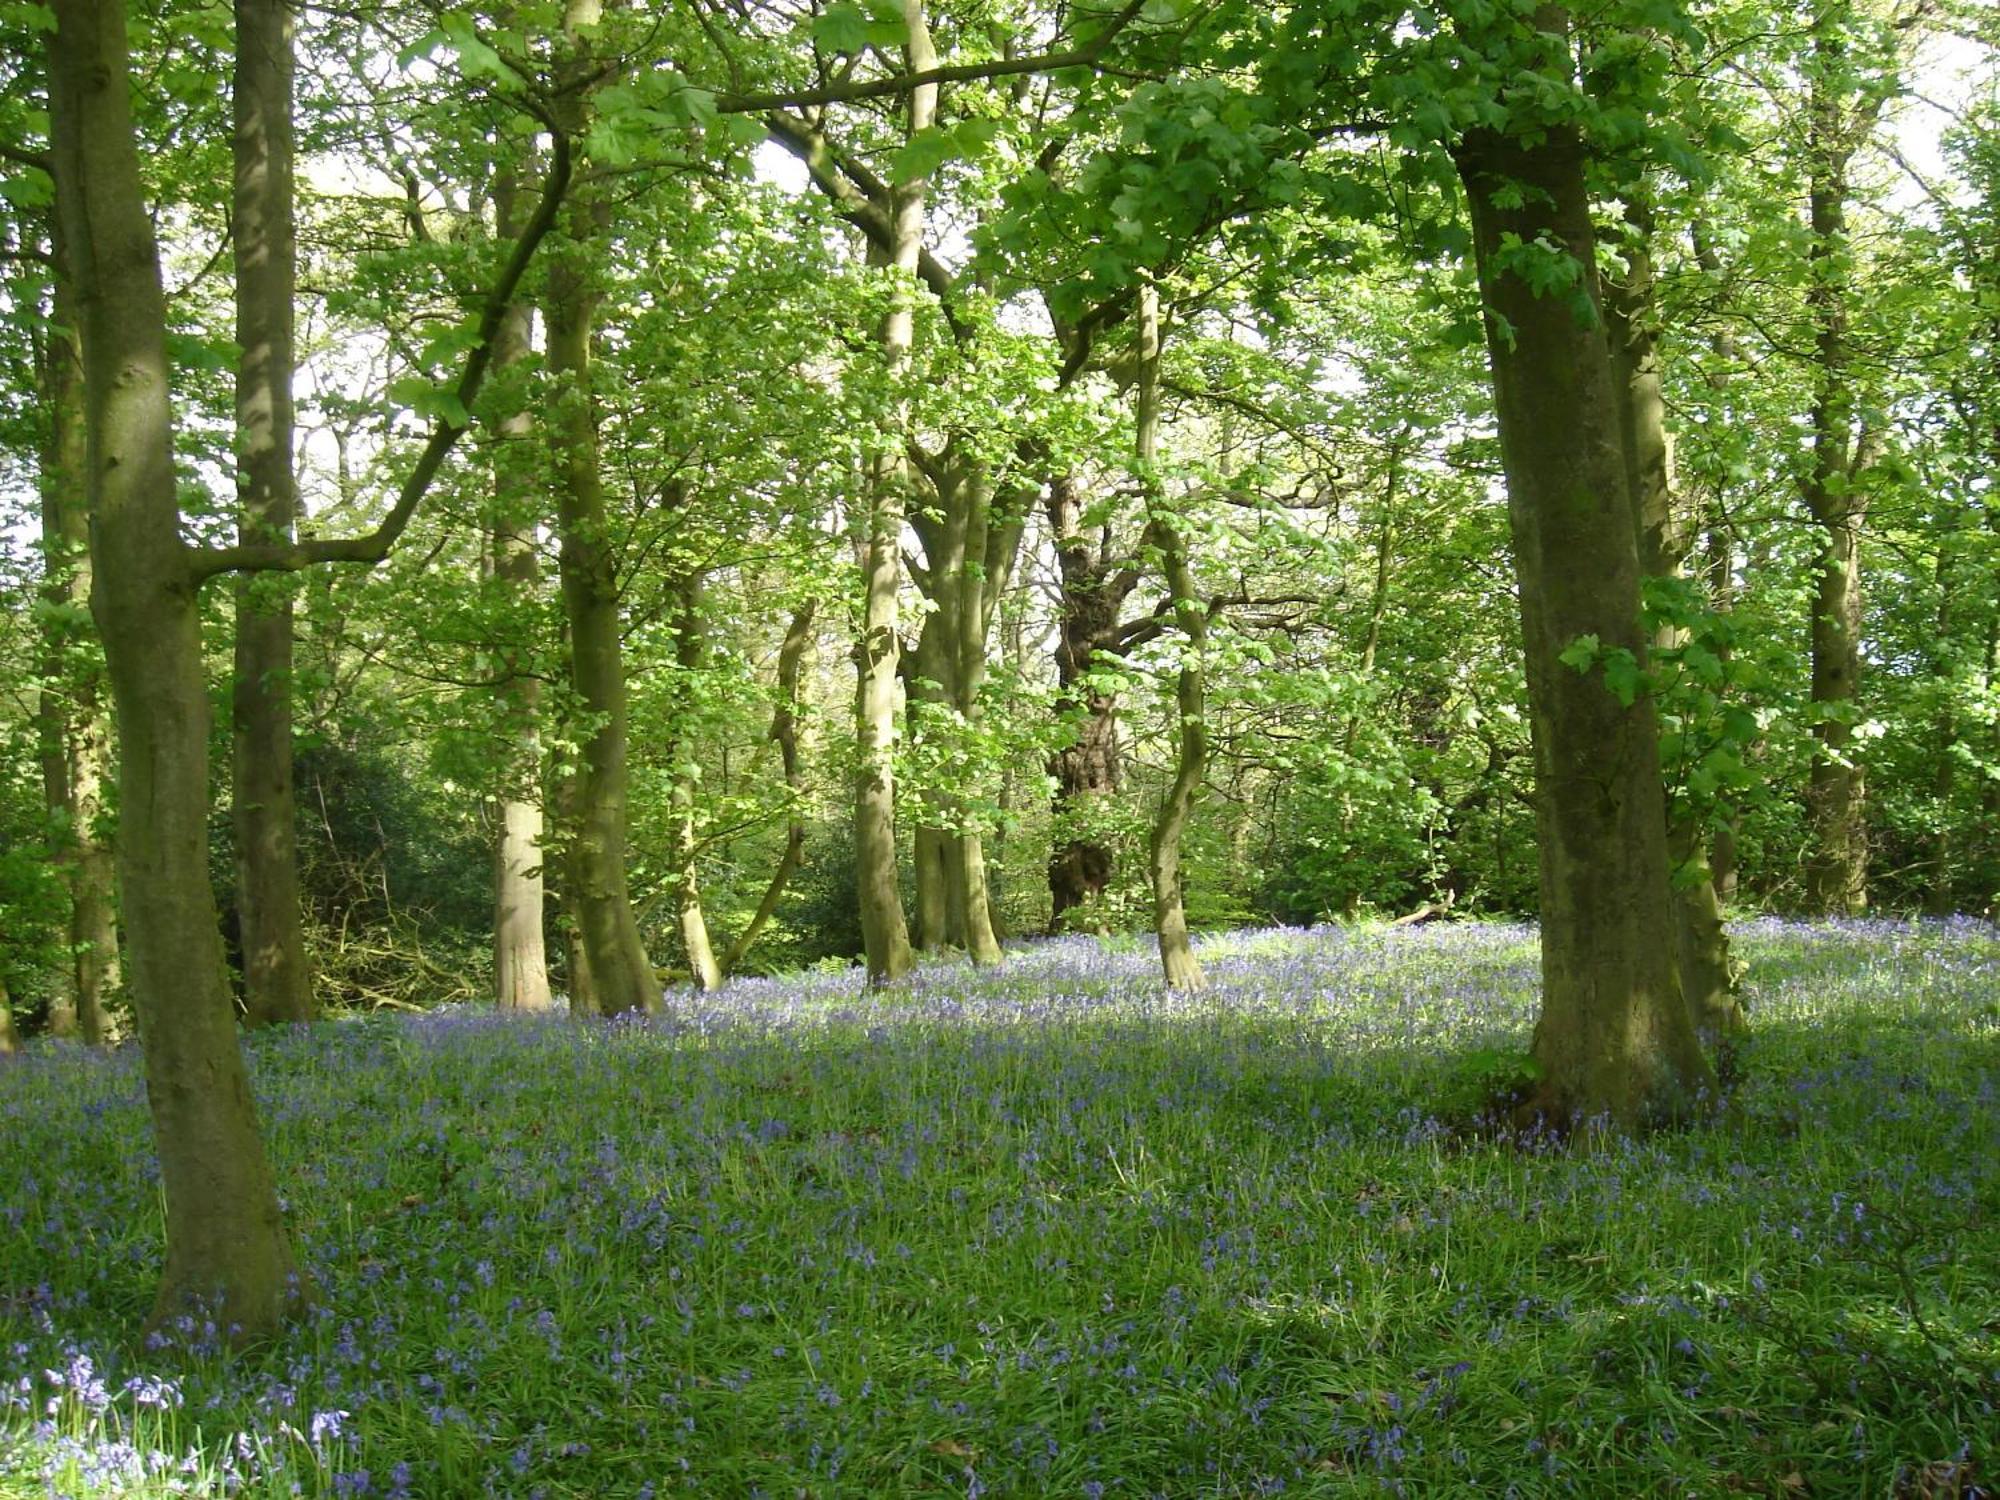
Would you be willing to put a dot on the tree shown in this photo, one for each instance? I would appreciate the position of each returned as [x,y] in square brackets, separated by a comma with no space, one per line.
[1614,1038]
[226,1239]
[277,982]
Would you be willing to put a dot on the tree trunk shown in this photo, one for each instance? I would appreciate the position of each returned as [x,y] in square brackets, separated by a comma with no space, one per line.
[73,726]
[926,698]
[226,1244]
[883,930]
[688,656]
[520,952]
[1086,768]
[785,734]
[277,982]
[1614,1038]
[1177,960]
[981,576]
[619,968]
[1837,864]
[1631,319]
[10,1039]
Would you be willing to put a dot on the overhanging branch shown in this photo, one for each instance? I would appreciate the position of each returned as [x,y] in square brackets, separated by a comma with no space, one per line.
[251,557]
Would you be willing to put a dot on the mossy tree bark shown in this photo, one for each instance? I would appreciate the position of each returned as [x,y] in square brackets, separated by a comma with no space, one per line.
[277,981]
[1614,1039]
[620,971]
[73,723]
[1177,960]
[226,1243]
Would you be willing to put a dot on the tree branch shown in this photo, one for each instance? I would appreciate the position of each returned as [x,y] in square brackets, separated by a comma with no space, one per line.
[903,83]
[247,557]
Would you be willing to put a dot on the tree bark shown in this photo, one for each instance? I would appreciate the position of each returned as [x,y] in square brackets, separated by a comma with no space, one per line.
[1614,1039]
[73,725]
[1086,768]
[520,951]
[1177,960]
[884,933]
[688,656]
[1837,864]
[277,981]
[226,1244]
[620,970]
[10,1039]
[1703,964]
[785,734]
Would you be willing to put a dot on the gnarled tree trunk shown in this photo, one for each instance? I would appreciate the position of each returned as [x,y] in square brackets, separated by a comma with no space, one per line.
[785,735]
[1614,1038]
[226,1242]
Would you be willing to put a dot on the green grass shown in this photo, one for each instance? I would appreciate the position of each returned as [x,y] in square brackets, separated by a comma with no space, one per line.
[1048,1230]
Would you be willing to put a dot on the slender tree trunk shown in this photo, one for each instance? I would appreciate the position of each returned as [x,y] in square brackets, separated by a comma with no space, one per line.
[520,952]
[1720,563]
[277,981]
[74,727]
[587,564]
[226,1242]
[1614,1038]
[1177,960]
[926,698]
[1943,852]
[785,734]
[688,656]
[971,622]
[1631,318]
[884,932]
[1837,864]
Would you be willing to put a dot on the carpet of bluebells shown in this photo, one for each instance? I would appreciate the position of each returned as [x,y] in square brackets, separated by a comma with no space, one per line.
[1051,1231]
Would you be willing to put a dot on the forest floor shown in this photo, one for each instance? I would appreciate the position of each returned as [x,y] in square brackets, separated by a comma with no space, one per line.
[1051,1232]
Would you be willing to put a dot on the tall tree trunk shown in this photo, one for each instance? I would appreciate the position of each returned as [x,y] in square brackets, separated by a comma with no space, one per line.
[1631,319]
[74,726]
[1943,852]
[1614,1038]
[971,621]
[226,1242]
[520,951]
[926,699]
[689,654]
[1837,864]
[1086,767]
[883,931]
[1177,960]
[622,974]
[785,735]
[277,982]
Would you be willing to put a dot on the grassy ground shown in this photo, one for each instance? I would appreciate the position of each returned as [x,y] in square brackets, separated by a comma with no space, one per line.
[1051,1232]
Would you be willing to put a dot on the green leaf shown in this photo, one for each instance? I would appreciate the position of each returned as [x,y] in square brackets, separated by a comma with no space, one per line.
[841,27]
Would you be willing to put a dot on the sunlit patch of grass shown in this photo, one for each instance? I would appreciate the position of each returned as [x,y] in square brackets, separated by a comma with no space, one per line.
[1051,1231]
